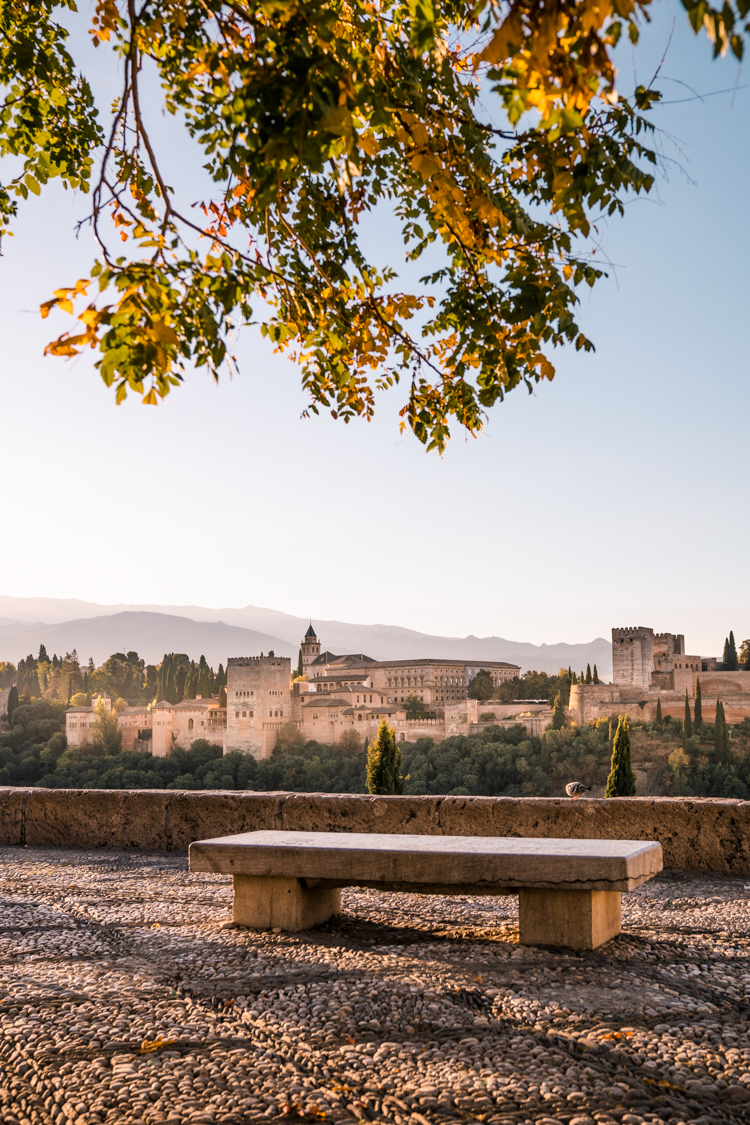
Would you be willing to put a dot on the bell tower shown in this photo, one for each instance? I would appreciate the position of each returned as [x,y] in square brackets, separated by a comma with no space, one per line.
[310,647]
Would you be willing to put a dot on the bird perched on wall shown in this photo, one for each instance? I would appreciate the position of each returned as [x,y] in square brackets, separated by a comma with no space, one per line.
[575,788]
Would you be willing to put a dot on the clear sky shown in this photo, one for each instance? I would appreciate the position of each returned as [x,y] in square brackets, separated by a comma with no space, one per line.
[617,495]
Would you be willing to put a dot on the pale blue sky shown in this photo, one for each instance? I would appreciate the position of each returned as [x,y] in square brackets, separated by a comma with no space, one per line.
[614,496]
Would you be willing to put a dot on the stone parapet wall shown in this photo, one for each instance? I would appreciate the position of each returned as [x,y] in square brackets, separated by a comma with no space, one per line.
[709,834]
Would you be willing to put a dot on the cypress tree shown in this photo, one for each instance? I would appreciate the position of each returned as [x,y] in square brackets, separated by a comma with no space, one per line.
[588,673]
[574,678]
[169,689]
[203,688]
[191,683]
[300,666]
[545,753]
[687,725]
[612,729]
[222,696]
[558,713]
[160,680]
[721,734]
[384,762]
[596,675]
[12,701]
[180,678]
[621,780]
[659,720]
[730,654]
[698,720]
[582,679]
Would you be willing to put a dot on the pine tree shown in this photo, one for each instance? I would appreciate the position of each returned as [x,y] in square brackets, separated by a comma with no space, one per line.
[621,780]
[687,725]
[596,675]
[384,762]
[588,673]
[698,720]
[558,713]
[300,666]
[659,720]
[12,701]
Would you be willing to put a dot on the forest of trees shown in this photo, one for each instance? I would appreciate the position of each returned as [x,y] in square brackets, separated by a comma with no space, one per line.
[499,761]
[531,685]
[124,676]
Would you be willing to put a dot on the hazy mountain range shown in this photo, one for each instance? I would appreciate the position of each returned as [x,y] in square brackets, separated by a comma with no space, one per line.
[151,630]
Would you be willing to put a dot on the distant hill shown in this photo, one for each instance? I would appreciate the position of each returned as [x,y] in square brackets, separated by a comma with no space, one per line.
[98,630]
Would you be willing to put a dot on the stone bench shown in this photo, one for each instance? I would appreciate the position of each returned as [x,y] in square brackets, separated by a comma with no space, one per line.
[569,890]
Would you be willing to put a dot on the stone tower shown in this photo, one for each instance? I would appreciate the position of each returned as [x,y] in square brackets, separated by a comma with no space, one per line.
[259,703]
[310,647]
[633,657]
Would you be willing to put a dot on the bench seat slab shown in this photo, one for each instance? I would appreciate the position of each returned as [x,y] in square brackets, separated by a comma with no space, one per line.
[474,863]
[573,919]
[269,903]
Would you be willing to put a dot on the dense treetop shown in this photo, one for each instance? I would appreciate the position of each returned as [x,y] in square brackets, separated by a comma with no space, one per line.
[307,116]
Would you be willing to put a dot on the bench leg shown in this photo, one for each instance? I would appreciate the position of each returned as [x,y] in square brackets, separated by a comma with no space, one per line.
[265,903]
[577,919]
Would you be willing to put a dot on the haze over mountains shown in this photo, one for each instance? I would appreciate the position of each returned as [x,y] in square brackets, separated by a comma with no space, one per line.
[151,630]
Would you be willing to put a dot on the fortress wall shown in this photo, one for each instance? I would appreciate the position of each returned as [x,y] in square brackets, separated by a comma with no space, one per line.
[708,834]
[712,683]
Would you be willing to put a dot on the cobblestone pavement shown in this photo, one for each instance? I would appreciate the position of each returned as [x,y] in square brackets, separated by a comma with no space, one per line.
[407,1009]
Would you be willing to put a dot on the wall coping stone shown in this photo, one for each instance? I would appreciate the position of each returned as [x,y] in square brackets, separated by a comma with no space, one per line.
[696,833]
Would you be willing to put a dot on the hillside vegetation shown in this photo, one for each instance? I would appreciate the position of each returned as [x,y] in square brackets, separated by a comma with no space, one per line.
[499,761]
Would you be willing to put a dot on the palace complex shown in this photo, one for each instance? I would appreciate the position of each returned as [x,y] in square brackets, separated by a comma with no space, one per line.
[650,668]
[335,694]
[354,692]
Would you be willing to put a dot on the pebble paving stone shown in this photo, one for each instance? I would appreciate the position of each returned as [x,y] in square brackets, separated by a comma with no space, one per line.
[126,996]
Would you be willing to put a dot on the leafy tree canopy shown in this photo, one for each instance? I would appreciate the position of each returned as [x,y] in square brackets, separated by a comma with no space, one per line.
[309,116]
[481,686]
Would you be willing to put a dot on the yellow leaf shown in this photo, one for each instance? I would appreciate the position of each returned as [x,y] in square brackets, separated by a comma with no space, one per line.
[368,142]
[425,164]
[505,41]
[162,333]
[150,399]
[155,1044]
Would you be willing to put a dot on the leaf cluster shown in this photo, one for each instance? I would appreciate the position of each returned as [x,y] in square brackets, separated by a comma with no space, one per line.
[309,117]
